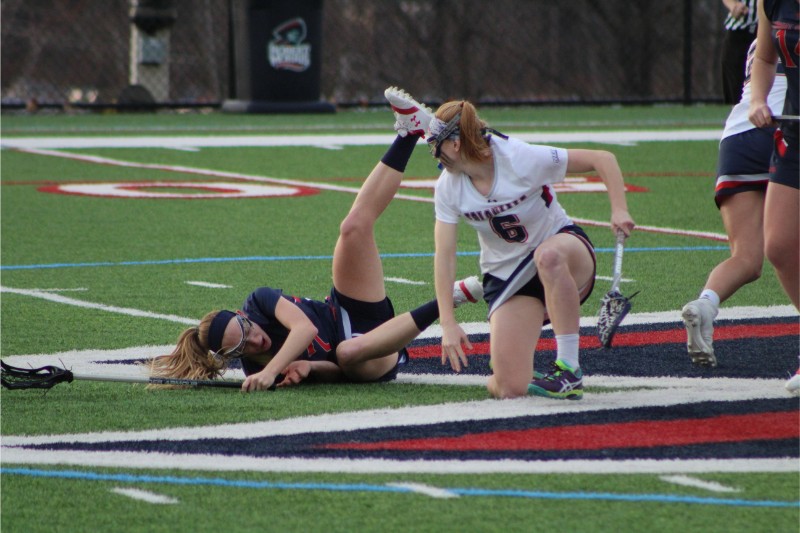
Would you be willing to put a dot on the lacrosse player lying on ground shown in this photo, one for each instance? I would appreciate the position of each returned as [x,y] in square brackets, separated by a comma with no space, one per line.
[537,265]
[354,334]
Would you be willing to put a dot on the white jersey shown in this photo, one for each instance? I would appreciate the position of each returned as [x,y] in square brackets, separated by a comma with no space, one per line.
[519,212]
[737,121]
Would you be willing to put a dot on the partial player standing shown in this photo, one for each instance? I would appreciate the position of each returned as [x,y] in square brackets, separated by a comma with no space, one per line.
[742,176]
[779,38]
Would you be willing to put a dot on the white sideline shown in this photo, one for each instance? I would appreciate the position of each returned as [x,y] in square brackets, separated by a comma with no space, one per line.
[339,140]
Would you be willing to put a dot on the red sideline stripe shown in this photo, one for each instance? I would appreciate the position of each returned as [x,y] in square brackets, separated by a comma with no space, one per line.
[642,338]
[644,434]
[405,111]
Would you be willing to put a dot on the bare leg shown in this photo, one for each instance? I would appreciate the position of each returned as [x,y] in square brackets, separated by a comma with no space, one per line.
[782,236]
[743,216]
[514,330]
[564,264]
[357,268]
[370,356]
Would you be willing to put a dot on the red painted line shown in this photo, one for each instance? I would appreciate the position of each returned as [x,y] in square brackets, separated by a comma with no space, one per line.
[642,338]
[644,434]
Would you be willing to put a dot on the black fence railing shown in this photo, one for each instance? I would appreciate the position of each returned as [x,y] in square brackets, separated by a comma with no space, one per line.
[88,53]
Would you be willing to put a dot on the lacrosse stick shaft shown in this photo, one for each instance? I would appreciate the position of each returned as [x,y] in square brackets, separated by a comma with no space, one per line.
[618,261]
[794,118]
[159,381]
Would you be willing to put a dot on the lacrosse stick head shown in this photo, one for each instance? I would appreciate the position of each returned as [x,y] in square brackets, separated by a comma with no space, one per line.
[33,378]
[613,309]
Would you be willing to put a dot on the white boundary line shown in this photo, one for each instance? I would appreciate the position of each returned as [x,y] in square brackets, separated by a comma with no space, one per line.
[339,140]
[322,186]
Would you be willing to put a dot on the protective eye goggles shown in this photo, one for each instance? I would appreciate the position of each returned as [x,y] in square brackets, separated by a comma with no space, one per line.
[440,131]
[237,351]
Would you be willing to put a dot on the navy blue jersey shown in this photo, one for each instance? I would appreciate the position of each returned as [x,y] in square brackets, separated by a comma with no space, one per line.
[337,319]
[260,308]
[784,15]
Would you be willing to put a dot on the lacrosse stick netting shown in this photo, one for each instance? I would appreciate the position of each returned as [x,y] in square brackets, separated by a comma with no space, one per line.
[614,305]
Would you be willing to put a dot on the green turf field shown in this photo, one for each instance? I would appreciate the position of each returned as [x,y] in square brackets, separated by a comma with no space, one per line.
[74,266]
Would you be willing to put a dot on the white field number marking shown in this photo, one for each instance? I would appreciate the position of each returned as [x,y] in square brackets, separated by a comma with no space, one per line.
[688,481]
[144,495]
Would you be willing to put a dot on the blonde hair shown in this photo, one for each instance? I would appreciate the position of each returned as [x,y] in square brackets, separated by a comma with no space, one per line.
[191,358]
[474,146]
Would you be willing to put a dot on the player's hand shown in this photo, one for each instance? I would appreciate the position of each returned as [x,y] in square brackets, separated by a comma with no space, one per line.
[622,221]
[739,10]
[296,372]
[257,382]
[453,342]
[760,115]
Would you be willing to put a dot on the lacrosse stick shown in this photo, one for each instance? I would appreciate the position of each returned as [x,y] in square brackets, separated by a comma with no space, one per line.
[614,305]
[48,376]
[779,118]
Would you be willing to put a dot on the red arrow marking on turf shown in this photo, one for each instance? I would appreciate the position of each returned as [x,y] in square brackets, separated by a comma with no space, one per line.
[642,338]
[642,434]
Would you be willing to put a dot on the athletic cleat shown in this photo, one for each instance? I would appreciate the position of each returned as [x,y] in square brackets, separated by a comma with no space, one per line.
[793,384]
[467,290]
[562,383]
[412,117]
[698,317]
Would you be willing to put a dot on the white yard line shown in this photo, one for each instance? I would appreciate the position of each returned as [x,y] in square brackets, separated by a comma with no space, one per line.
[144,495]
[427,490]
[338,140]
[321,186]
[687,481]
[208,285]
[230,463]
[57,298]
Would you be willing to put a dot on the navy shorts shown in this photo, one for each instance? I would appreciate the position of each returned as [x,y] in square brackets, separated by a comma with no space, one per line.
[743,163]
[495,288]
[359,317]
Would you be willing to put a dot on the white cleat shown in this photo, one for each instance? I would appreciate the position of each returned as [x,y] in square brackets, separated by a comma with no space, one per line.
[698,317]
[793,384]
[467,290]
[412,118]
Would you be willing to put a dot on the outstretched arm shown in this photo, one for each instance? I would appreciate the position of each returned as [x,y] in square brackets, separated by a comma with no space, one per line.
[317,371]
[453,336]
[606,166]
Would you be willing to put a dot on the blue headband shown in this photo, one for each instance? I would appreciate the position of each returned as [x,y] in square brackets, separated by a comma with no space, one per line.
[217,329]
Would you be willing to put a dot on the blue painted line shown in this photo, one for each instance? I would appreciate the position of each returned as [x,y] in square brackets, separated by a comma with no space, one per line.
[363,487]
[313,258]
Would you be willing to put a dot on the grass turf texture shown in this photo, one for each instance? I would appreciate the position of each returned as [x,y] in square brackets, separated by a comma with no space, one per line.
[210,508]
[39,228]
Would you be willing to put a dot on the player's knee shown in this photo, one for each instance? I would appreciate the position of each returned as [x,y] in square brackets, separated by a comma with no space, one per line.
[353,225]
[549,261]
[345,352]
[348,351]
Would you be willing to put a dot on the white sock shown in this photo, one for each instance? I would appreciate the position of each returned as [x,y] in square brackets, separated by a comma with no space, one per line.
[567,350]
[712,297]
